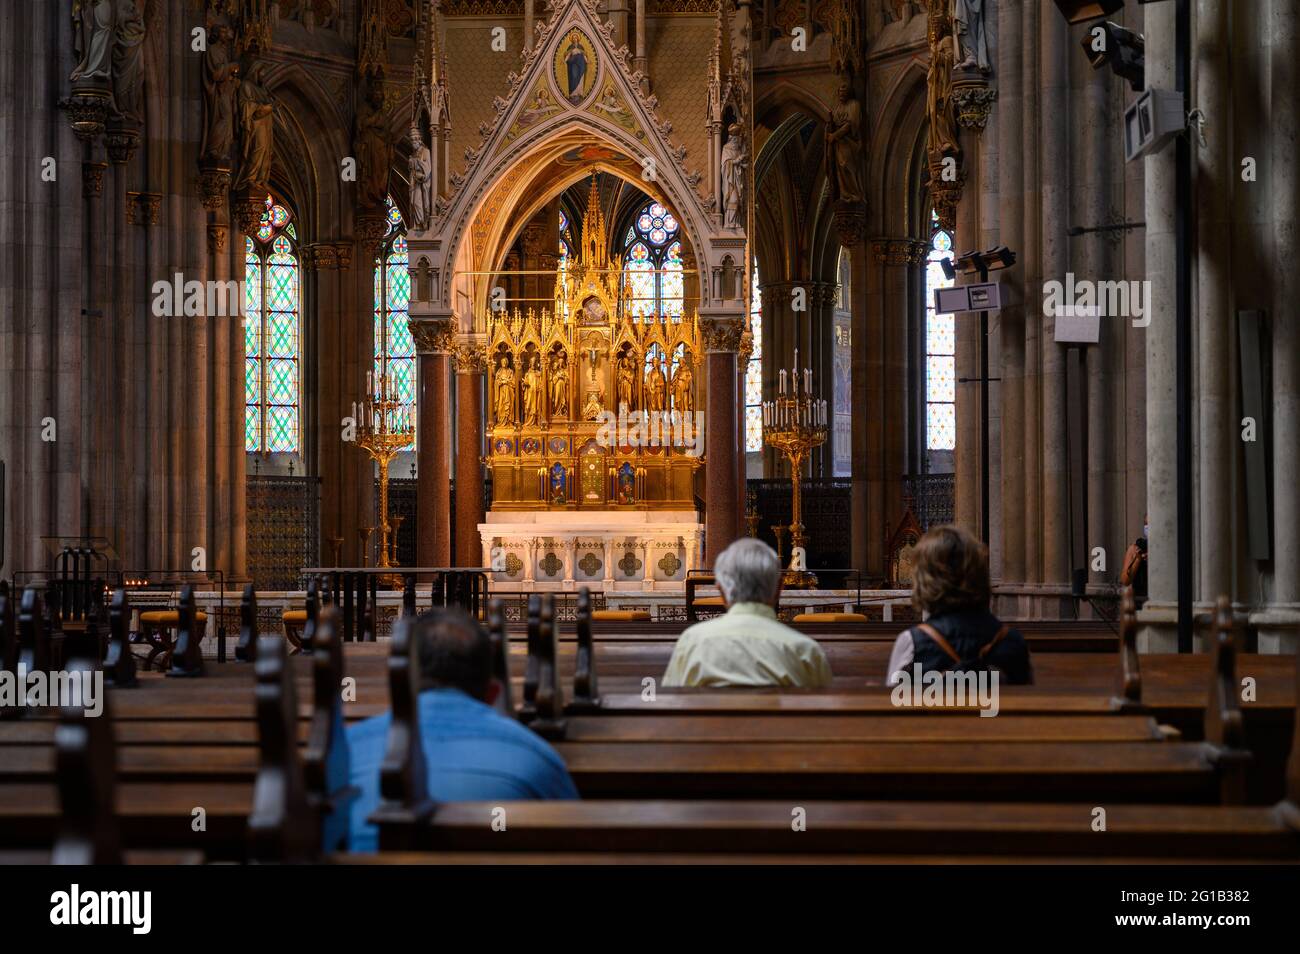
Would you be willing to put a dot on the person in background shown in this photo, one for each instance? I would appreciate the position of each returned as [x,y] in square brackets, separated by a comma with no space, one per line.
[473,752]
[951,588]
[747,646]
[1134,571]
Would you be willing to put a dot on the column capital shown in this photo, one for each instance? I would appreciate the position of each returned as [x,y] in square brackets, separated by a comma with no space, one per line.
[433,335]
[722,333]
[470,356]
[899,251]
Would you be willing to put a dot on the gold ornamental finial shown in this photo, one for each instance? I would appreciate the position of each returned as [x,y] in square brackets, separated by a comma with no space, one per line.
[595,251]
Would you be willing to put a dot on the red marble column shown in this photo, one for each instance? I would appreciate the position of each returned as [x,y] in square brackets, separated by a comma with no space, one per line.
[470,368]
[722,339]
[434,339]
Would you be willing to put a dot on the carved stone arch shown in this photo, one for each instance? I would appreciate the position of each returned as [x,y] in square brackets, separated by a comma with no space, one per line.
[531,159]
[507,148]
[901,126]
[312,126]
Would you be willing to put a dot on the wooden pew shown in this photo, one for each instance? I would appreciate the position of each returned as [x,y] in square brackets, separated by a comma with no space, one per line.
[500,646]
[586,695]
[119,663]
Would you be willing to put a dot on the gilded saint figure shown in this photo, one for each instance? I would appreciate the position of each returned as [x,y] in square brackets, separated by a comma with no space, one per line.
[532,386]
[656,387]
[559,388]
[624,386]
[683,401]
[505,393]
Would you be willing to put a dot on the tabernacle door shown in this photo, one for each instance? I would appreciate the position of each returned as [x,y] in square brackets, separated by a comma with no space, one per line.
[592,478]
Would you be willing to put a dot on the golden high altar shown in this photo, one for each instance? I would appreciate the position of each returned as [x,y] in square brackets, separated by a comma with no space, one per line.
[595,432]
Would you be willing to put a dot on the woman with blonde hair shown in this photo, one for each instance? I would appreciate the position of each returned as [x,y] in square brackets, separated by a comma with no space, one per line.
[951,588]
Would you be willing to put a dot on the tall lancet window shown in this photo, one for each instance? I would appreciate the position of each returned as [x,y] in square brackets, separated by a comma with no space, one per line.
[940,349]
[754,370]
[394,346]
[652,256]
[272,306]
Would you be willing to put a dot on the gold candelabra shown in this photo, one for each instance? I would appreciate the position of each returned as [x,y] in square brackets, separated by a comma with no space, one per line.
[794,423]
[384,431]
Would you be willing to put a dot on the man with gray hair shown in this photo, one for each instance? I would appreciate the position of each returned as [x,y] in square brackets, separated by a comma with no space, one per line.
[747,646]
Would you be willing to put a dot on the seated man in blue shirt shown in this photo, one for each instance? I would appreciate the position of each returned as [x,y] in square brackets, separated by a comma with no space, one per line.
[473,752]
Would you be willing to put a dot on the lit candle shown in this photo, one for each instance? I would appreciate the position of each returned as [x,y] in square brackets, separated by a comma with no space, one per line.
[807,380]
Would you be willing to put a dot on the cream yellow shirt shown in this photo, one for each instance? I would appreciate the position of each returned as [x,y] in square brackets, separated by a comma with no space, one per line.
[747,646]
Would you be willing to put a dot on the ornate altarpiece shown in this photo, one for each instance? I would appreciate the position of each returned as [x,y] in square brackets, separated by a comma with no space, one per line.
[594,427]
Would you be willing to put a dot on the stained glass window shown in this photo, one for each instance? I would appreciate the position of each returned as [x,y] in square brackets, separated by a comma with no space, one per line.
[754,370]
[394,346]
[654,281]
[272,341]
[940,348]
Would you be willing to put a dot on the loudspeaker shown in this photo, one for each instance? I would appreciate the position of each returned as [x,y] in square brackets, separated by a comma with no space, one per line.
[1155,117]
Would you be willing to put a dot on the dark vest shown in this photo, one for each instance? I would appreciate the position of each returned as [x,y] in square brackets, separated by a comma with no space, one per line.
[967,633]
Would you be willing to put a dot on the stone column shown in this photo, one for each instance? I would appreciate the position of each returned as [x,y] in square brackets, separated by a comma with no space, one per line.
[1278,628]
[434,342]
[1054,91]
[859,511]
[722,329]
[1159,617]
[1011,171]
[742,365]
[471,366]
[1217,341]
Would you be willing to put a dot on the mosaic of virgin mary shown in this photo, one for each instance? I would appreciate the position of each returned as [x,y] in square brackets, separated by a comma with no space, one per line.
[575,67]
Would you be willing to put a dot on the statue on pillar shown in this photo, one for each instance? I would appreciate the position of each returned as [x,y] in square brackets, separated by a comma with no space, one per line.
[128,63]
[220,81]
[972,34]
[733,177]
[943,131]
[92,37]
[374,152]
[844,146]
[420,166]
[257,130]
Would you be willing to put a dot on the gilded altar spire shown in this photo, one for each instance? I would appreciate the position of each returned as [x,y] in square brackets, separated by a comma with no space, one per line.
[595,246]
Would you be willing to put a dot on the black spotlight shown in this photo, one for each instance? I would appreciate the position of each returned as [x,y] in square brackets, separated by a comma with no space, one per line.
[1111,44]
[1081,11]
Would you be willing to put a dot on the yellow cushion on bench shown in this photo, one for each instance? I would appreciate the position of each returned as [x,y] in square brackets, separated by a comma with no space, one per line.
[170,617]
[709,601]
[297,617]
[830,618]
[620,616]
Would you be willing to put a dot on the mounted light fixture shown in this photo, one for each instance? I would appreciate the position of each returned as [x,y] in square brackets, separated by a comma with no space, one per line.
[1109,44]
[971,263]
[1081,11]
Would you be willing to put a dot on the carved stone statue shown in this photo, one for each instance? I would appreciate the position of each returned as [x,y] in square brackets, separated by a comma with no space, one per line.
[504,382]
[683,400]
[92,36]
[733,177]
[257,131]
[559,388]
[532,387]
[656,387]
[420,166]
[128,63]
[844,147]
[220,81]
[374,152]
[969,19]
[623,389]
[943,129]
